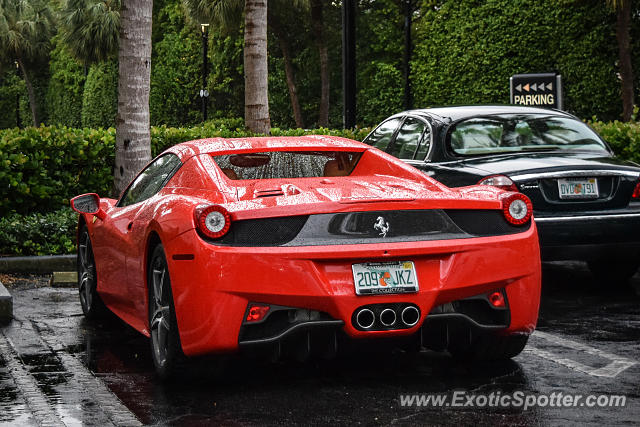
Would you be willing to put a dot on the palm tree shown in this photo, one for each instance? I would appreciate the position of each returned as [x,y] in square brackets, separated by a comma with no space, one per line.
[226,12]
[623,35]
[256,73]
[90,28]
[26,26]
[133,137]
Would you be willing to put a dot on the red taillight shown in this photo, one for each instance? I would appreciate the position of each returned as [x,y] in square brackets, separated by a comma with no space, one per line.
[257,312]
[636,192]
[516,208]
[500,181]
[497,299]
[213,221]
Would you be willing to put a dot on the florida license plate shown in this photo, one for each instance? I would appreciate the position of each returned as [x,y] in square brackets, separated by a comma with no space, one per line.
[583,188]
[385,277]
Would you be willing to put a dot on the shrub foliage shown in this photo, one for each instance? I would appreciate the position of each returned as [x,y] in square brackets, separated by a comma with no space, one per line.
[42,168]
[38,234]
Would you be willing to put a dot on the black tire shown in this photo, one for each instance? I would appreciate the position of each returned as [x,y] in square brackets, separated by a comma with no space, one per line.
[612,271]
[166,350]
[92,305]
[486,348]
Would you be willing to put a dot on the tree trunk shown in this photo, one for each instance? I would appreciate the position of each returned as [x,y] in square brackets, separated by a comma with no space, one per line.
[32,95]
[317,25]
[256,87]
[288,70]
[623,25]
[133,137]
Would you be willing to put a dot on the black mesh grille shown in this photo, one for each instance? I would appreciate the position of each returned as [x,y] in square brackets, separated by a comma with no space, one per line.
[368,227]
[263,231]
[483,223]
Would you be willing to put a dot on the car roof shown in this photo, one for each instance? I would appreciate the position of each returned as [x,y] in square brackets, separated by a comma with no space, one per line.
[455,113]
[217,146]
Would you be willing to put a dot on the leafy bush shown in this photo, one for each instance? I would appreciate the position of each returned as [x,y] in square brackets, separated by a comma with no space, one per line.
[38,234]
[11,86]
[624,137]
[41,168]
[65,91]
[382,94]
[100,98]
[175,80]
[466,51]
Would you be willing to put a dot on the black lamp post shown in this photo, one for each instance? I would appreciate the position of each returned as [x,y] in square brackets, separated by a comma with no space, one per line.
[204,93]
[18,124]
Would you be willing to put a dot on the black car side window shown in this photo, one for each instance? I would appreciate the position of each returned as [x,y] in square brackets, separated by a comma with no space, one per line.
[406,143]
[151,180]
[425,144]
[381,137]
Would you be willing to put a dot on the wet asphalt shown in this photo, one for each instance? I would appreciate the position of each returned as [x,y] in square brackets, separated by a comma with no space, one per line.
[57,368]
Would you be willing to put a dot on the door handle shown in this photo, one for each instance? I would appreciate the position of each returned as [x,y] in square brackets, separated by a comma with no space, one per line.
[130,226]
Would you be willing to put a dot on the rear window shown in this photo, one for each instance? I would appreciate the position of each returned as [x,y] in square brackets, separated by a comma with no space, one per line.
[287,164]
[523,132]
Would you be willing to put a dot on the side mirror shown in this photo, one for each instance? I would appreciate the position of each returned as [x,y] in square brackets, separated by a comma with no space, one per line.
[87,204]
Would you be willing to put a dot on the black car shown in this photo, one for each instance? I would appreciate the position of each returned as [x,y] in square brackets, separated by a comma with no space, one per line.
[586,201]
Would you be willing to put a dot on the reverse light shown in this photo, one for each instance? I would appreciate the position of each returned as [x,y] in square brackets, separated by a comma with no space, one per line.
[257,312]
[213,221]
[636,192]
[517,208]
[500,181]
[497,299]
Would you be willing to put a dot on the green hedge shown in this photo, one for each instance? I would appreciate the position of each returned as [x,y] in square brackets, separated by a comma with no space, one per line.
[100,97]
[38,234]
[41,168]
[624,137]
[466,50]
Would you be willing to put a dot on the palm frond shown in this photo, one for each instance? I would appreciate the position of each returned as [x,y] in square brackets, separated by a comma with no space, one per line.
[226,13]
[91,28]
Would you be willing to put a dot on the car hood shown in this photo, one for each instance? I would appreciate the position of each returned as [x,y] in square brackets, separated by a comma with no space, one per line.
[512,164]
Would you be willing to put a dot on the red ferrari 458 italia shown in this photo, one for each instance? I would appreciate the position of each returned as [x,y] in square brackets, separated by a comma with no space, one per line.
[296,245]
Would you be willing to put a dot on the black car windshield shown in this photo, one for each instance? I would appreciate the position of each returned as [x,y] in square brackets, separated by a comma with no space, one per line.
[509,133]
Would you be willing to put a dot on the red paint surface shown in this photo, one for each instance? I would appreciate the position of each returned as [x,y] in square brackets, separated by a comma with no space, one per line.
[211,292]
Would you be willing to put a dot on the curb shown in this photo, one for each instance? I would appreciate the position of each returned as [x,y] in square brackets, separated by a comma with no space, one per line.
[38,264]
[6,305]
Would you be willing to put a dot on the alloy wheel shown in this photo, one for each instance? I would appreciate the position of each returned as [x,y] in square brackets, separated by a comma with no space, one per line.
[160,310]
[86,272]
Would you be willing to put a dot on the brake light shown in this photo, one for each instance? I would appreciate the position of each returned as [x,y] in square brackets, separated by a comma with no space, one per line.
[257,312]
[497,299]
[213,221]
[500,181]
[517,208]
[636,192]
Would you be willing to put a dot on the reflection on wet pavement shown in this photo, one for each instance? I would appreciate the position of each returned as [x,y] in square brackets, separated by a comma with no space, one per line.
[71,360]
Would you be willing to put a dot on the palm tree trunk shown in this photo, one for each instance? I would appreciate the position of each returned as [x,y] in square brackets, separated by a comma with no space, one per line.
[317,24]
[623,26]
[32,95]
[256,93]
[288,70]
[133,137]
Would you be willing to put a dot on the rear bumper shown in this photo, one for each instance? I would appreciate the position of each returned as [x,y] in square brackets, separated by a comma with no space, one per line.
[212,290]
[589,236]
